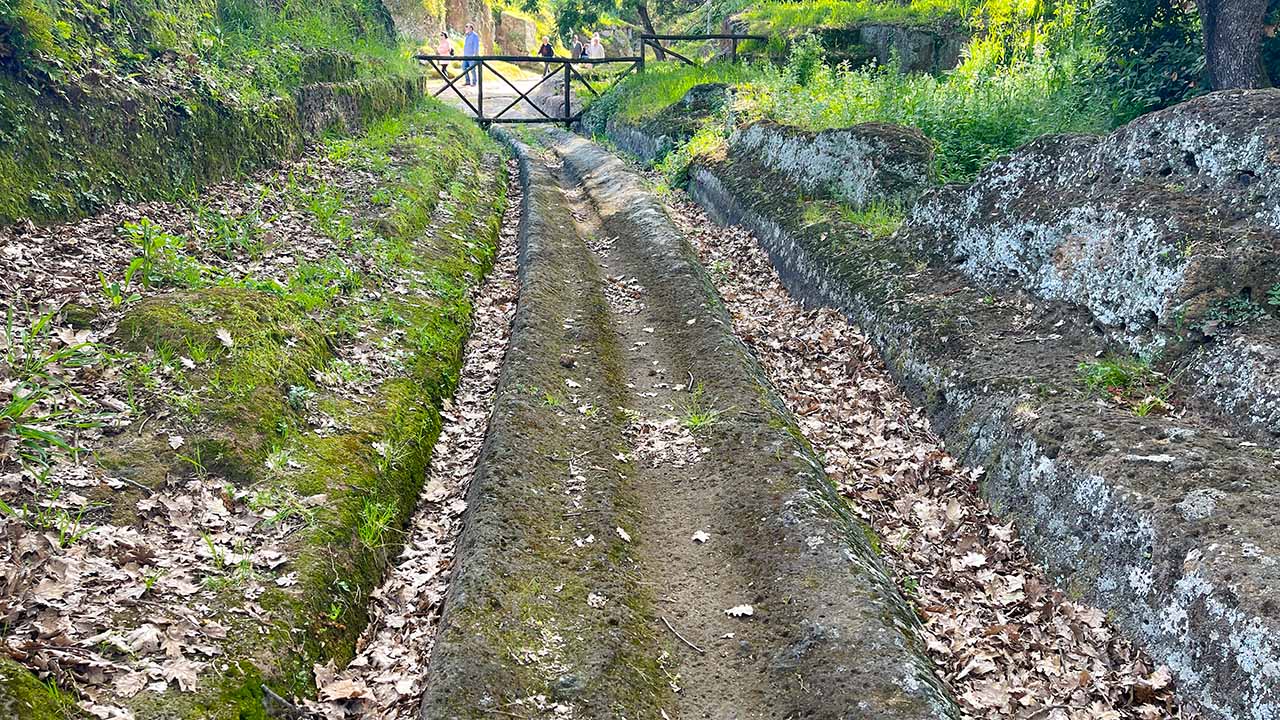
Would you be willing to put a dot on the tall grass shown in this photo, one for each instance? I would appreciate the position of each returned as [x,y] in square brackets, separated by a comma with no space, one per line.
[973,115]
[1026,74]
[780,17]
[644,95]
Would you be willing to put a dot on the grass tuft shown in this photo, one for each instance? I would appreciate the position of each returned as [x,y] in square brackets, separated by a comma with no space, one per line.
[698,416]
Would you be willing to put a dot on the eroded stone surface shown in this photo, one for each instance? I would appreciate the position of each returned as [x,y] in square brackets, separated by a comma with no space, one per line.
[515,35]
[1169,523]
[1149,227]
[857,165]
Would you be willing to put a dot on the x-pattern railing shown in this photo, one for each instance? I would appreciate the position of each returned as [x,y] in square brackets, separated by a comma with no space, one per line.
[568,70]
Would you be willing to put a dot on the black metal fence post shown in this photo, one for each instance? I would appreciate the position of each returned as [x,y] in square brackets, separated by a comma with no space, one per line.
[480,90]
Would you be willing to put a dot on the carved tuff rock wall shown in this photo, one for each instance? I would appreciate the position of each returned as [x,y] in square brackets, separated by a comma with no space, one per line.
[1145,227]
[514,35]
[416,19]
[870,162]
[991,296]
[478,12]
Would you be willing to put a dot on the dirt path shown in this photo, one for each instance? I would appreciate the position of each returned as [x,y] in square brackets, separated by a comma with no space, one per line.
[648,536]
[498,95]
[687,557]
[1008,642]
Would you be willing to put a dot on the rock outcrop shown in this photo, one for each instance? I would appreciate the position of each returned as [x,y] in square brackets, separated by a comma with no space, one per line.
[620,40]
[414,21]
[549,96]
[913,48]
[872,162]
[987,303]
[1167,231]
[477,12]
[1149,227]
[514,35]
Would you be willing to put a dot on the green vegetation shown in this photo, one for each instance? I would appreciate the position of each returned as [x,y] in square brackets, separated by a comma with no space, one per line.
[36,367]
[880,219]
[646,95]
[1029,69]
[212,90]
[245,367]
[1024,77]
[974,116]
[23,696]
[775,17]
[247,49]
[1129,382]
[1236,311]
[697,416]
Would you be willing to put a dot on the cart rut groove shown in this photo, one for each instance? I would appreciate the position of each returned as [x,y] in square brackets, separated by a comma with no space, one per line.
[642,488]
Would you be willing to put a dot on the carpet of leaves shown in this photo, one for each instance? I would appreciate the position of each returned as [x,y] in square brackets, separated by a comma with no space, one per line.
[114,610]
[386,679]
[1008,642]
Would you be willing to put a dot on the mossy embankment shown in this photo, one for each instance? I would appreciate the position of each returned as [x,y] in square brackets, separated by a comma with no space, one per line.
[312,402]
[144,99]
[371,471]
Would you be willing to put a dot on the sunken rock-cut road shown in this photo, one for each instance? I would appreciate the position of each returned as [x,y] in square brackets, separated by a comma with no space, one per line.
[647,534]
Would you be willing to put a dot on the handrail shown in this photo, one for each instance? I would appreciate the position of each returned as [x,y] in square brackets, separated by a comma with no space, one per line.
[479,63]
[709,36]
[655,40]
[565,66]
[528,58]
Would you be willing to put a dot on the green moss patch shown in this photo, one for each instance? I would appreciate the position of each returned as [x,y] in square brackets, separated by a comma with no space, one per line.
[23,696]
[313,404]
[138,99]
[68,155]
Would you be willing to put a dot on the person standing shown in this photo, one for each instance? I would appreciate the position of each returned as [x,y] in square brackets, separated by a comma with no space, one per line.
[546,51]
[443,48]
[579,50]
[595,50]
[471,48]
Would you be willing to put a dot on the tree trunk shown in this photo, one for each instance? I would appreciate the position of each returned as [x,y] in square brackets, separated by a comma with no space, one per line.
[1233,42]
[643,10]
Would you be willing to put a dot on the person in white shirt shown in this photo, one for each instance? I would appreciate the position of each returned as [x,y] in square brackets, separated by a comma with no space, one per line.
[596,49]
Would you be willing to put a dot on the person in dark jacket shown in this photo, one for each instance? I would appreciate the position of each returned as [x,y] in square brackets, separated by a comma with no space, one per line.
[546,51]
[579,49]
